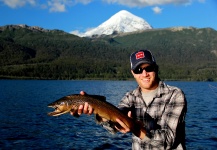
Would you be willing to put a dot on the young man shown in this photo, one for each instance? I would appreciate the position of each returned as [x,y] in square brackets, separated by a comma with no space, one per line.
[158,108]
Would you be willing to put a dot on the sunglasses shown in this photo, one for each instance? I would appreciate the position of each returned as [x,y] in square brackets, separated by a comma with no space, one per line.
[139,70]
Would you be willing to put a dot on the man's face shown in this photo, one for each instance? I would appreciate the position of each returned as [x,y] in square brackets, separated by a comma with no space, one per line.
[147,80]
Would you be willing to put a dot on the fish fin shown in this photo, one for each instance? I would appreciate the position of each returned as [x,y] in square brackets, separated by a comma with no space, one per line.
[98,119]
[75,112]
[76,115]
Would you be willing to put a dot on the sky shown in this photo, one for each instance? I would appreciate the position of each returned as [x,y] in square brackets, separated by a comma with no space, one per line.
[81,15]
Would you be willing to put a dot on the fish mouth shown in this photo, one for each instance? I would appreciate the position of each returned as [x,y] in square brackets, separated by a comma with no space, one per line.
[56,111]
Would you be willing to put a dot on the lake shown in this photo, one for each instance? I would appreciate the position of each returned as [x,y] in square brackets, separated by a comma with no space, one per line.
[25,124]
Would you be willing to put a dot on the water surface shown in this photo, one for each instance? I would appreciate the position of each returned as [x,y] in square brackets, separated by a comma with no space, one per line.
[25,124]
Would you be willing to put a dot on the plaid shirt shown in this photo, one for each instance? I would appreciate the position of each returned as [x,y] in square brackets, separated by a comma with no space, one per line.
[163,118]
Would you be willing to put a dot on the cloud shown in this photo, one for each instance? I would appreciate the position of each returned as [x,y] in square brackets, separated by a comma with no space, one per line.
[157,10]
[18,3]
[52,5]
[56,6]
[83,1]
[77,32]
[61,5]
[143,3]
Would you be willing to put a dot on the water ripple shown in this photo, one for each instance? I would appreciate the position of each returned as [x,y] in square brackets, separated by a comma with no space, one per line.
[25,124]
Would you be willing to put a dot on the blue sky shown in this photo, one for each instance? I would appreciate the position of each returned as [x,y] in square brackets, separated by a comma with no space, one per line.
[81,15]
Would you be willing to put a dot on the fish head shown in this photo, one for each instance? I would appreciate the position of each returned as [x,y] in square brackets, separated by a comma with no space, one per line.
[61,107]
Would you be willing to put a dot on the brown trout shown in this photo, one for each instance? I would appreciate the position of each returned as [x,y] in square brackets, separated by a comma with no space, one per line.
[100,107]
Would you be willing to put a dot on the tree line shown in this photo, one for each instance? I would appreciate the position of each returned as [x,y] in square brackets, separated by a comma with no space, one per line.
[181,55]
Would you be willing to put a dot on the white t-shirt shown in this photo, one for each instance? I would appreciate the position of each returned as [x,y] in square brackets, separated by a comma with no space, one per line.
[148,97]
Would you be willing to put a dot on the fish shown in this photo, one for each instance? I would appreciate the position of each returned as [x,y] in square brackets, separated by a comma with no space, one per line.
[101,108]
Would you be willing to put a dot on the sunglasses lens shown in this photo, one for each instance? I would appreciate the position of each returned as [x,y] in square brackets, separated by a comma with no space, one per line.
[139,70]
[149,69]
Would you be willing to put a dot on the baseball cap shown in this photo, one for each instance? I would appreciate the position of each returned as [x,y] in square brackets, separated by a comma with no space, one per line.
[141,57]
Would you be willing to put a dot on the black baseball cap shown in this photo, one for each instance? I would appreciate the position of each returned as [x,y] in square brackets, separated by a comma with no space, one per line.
[141,57]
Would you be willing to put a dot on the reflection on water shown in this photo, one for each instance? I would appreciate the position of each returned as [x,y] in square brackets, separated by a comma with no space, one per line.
[24,123]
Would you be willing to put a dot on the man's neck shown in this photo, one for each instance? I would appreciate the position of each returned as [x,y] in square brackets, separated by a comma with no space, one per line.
[154,87]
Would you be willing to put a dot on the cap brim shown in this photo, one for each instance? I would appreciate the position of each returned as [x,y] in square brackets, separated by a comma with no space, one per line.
[141,62]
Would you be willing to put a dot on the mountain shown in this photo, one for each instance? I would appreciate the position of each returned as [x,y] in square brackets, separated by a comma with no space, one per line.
[121,22]
[26,27]
[34,52]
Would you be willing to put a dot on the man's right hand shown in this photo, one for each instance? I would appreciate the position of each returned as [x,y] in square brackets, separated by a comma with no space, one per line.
[86,108]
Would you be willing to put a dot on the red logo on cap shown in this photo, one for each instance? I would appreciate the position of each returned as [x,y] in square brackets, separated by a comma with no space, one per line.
[140,55]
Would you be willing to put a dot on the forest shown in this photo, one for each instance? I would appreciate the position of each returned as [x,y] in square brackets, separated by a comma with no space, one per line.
[187,54]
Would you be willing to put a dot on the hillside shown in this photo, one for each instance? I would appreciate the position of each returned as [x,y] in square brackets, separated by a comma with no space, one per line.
[182,54]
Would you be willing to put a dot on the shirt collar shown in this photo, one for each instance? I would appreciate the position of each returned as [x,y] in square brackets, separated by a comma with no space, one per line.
[162,89]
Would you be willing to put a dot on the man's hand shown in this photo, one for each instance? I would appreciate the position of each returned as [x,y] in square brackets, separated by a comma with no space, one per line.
[123,128]
[86,108]
[139,131]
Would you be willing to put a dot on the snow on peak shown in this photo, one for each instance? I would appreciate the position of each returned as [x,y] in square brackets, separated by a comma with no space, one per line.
[121,22]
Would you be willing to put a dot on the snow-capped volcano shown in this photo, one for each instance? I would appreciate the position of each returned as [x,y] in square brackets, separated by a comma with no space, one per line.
[121,22]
